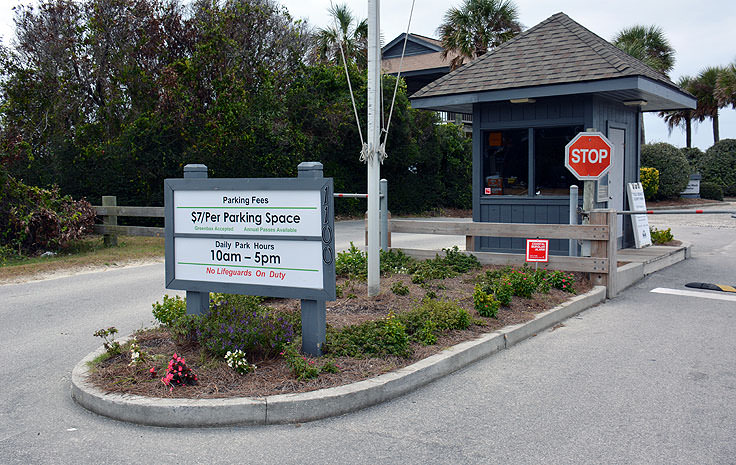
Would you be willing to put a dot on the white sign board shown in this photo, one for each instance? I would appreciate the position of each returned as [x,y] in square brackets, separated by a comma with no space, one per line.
[259,236]
[273,213]
[640,223]
[249,261]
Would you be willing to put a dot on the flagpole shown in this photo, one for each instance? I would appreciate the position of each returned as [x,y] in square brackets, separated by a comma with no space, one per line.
[373,140]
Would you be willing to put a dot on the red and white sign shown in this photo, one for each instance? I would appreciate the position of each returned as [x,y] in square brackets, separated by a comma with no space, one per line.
[588,155]
[537,250]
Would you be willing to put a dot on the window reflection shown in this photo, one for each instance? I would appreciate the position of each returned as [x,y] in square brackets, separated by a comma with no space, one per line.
[506,162]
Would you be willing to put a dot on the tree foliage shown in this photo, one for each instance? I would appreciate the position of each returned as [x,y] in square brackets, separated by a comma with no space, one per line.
[110,97]
[348,36]
[647,44]
[476,27]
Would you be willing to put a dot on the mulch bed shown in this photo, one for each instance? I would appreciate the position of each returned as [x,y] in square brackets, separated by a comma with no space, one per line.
[273,375]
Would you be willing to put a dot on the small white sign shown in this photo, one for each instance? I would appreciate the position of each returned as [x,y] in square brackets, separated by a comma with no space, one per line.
[640,223]
[249,261]
[693,187]
[256,213]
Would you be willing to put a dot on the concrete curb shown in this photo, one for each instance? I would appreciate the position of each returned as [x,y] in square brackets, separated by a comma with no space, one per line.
[308,406]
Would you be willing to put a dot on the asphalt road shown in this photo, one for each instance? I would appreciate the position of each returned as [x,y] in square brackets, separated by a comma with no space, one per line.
[642,378]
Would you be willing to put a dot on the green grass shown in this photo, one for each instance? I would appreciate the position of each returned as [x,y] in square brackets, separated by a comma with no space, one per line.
[88,252]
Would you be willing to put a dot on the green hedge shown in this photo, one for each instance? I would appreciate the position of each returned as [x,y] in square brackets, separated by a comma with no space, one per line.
[674,170]
[711,190]
[693,156]
[718,165]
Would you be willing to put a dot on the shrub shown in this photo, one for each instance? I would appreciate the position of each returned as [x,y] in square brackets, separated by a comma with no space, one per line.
[301,366]
[353,263]
[373,338]
[453,263]
[108,336]
[503,291]
[460,262]
[178,373]
[485,303]
[431,269]
[661,236]
[395,262]
[523,283]
[400,288]
[445,315]
[649,182]
[711,190]
[171,310]
[718,165]
[237,361]
[562,281]
[34,219]
[693,156]
[674,170]
[240,323]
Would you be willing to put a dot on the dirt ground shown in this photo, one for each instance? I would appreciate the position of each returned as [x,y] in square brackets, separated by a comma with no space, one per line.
[273,375]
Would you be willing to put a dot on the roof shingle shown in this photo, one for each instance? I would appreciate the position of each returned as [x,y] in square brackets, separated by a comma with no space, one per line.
[557,50]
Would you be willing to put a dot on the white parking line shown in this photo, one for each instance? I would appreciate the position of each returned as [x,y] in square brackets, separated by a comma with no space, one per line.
[702,295]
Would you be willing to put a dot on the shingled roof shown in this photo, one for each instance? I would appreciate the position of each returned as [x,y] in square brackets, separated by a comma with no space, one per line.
[555,52]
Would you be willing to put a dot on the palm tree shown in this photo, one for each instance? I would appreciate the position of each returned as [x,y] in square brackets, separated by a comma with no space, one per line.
[477,27]
[649,45]
[681,117]
[703,87]
[353,35]
[726,86]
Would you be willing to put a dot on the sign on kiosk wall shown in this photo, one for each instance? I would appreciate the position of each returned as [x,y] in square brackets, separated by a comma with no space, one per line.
[270,237]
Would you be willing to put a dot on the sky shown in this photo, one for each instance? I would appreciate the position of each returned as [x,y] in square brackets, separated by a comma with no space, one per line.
[702,33]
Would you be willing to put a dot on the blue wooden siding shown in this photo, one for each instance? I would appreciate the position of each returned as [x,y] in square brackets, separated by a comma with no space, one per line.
[587,110]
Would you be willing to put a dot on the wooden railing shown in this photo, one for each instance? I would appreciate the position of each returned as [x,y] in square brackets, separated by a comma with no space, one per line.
[109,211]
[601,231]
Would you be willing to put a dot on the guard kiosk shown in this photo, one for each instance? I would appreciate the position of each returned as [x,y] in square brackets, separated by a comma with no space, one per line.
[529,97]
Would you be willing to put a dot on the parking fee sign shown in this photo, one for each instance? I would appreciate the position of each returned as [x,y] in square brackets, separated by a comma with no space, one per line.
[588,155]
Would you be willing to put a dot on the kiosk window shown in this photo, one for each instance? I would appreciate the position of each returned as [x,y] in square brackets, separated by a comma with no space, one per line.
[505,162]
[550,175]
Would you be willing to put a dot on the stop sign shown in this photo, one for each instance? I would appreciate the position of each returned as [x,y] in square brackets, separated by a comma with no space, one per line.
[588,155]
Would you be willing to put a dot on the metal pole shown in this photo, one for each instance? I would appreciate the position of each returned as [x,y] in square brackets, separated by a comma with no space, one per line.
[374,137]
[588,188]
[573,249]
[384,215]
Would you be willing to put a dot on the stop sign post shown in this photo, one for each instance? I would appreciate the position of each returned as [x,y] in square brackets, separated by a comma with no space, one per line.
[588,156]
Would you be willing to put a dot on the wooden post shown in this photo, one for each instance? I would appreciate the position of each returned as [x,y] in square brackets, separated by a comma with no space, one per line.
[588,187]
[470,243]
[605,249]
[110,240]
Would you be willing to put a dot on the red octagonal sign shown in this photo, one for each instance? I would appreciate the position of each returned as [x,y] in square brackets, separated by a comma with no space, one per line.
[588,155]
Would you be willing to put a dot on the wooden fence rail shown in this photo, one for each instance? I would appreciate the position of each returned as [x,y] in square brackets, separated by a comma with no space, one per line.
[109,211]
[601,232]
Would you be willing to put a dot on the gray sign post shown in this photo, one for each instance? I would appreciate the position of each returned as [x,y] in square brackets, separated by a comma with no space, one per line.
[198,303]
[314,311]
[258,236]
